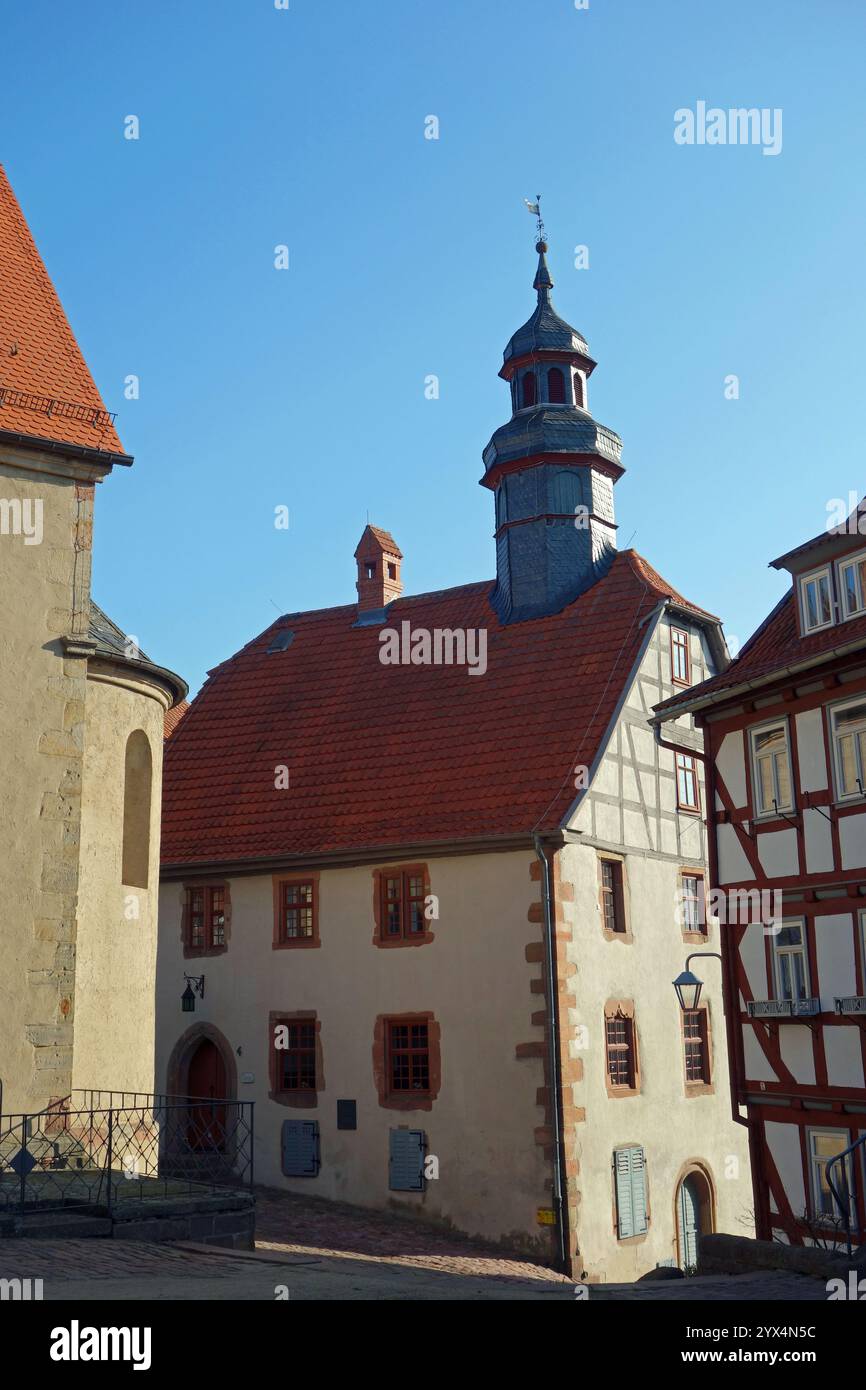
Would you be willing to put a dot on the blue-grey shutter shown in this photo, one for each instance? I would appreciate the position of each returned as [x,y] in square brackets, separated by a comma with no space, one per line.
[300,1148]
[630,1178]
[406,1160]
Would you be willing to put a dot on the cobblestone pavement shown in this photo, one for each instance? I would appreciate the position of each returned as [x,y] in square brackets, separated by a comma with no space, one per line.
[311,1250]
[309,1225]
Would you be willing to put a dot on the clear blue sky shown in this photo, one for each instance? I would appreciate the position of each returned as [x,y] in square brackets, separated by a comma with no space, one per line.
[411,256]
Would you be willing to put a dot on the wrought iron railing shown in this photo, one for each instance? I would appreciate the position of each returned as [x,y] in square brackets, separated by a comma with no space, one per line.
[99,1150]
[844,1195]
[783,1008]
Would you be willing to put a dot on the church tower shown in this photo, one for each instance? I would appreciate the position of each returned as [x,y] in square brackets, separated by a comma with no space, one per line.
[551,468]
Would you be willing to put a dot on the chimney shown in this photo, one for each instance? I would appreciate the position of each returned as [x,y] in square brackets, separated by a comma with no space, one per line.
[379,558]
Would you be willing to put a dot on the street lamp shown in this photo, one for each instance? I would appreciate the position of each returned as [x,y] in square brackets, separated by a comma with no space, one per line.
[688,986]
[187,999]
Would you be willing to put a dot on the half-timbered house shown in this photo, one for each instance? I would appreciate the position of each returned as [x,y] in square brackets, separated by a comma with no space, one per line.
[785,742]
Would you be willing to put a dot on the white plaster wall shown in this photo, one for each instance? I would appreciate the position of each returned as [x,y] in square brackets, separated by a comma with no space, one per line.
[834,941]
[810,750]
[844,1053]
[753,954]
[852,841]
[819,841]
[755,1063]
[777,852]
[783,1141]
[731,765]
[733,865]
[475,979]
[798,1052]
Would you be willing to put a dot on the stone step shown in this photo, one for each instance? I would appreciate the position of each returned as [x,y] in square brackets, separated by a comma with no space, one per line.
[55,1225]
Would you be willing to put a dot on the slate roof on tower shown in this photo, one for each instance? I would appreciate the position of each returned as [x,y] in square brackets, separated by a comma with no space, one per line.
[545,330]
[382,757]
[46,390]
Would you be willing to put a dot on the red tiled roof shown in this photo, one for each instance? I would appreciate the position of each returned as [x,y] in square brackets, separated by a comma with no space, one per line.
[48,363]
[401,755]
[772,649]
[173,718]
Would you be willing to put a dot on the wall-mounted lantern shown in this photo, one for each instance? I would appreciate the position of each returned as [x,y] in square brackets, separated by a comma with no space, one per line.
[194,986]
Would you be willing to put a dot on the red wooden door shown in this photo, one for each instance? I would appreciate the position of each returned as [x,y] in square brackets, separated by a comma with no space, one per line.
[206,1086]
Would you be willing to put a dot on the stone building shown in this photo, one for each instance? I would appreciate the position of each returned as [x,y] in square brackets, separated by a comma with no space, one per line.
[434,875]
[81,722]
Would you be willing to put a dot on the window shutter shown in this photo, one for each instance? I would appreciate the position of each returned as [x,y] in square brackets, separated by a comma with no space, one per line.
[406,1160]
[630,1177]
[300,1148]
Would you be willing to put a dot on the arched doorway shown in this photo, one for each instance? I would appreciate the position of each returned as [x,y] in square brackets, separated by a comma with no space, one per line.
[694,1215]
[206,1083]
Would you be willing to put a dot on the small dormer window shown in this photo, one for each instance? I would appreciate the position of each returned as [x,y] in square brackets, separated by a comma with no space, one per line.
[556,386]
[816,599]
[578,389]
[527,386]
[392,571]
[370,569]
[852,585]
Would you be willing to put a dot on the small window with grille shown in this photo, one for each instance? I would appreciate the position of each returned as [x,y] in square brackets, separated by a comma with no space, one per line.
[620,1050]
[408,1056]
[696,1047]
[611,896]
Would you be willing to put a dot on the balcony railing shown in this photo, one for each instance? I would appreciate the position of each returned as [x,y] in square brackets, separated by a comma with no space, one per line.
[99,1150]
[783,1008]
[851,1004]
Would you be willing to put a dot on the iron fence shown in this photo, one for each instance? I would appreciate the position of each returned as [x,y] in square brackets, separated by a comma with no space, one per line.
[99,1150]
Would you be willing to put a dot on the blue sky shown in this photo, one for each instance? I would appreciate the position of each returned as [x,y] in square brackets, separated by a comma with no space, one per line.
[411,257]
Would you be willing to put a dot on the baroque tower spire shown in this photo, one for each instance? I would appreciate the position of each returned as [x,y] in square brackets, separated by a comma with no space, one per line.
[551,468]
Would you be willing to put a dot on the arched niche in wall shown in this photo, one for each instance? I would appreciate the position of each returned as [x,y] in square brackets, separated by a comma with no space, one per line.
[137,790]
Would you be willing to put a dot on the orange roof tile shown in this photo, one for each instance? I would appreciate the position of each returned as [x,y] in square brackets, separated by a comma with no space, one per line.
[46,390]
[173,718]
[387,755]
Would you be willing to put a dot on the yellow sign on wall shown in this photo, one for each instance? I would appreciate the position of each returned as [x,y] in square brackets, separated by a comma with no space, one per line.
[545,1216]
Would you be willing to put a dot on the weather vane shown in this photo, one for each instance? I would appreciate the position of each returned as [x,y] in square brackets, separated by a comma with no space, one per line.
[535,209]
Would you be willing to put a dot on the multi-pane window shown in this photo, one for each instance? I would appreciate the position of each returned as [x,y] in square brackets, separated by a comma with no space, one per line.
[848,726]
[687,783]
[297,909]
[408,1056]
[693,908]
[680,659]
[824,1145]
[296,1062]
[817,600]
[403,902]
[619,1042]
[612,901]
[852,585]
[207,918]
[696,1047]
[771,769]
[792,968]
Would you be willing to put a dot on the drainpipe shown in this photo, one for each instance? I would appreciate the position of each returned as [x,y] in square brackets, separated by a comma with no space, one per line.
[553,1059]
